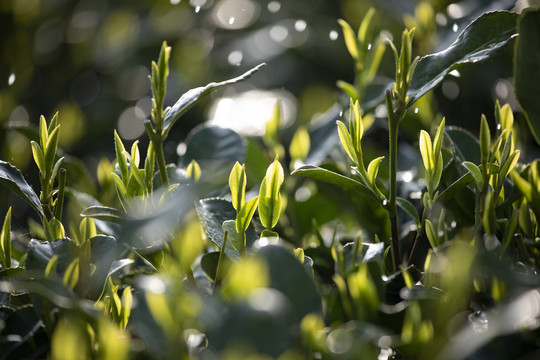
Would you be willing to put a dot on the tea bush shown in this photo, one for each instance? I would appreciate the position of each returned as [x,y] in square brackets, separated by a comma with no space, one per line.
[304,243]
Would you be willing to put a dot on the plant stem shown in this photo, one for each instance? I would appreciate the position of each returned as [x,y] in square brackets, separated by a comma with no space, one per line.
[393,122]
[242,235]
[157,143]
[60,198]
[219,269]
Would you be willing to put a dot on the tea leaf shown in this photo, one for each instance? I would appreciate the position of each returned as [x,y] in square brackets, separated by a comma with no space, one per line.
[485,140]
[300,144]
[346,141]
[350,39]
[373,169]
[475,172]
[431,234]
[409,208]
[12,178]
[191,97]
[104,213]
[237,184]
[269,196]
[121,158]
[39,157]
[526,69]
[331,177]
[245,214]
[5,242]
[484,38]
[426,150]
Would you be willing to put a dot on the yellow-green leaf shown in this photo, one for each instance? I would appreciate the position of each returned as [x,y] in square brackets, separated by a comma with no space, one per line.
[5,241]
[346,141]
[431,234]
[475,172]
[39,157]
[246,214]
[350,39]
[426,150]
[269,196]
[50,149]
[71,276]
[485,140]
[237,184]
[193,171]
[300,144]
[121,158]
[373,169]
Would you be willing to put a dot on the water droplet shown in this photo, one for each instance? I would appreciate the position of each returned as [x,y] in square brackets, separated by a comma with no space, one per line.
[499,127]
[369,46]
[11,79]
[416,110]
[385,202]
[300,25]
[333,35]
[197,9]
[235,57]
[175,2]
[231,20]
[274,6]
[341,113]
[455,27]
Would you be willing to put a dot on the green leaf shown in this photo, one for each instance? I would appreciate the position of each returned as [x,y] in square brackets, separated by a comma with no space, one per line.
[426,150]
[12,178]
[373,169]
[39,158]
[269,196]
[209,264]
[438,139]
[300,144]
[121,158]
[193,171]
[526,69]
[71,275]
[5,242]
[43,133]
[504,116]
[348,89]
[475,172]
[485,140]
[510,163]
[432,234]
[102,254]
[214,146]
[233,236]
[466,146]
[212,213]
[245,214]
[350,39]
[331,177]
[135,154]
[237,184]
[346,141]
[104,213]
[191,97]
[363,30]
[409,208]
[50,150]
[481,40]
[40,253]
[149,165]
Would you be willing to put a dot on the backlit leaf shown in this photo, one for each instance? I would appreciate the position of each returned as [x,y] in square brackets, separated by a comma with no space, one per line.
[245,214]
[12,178]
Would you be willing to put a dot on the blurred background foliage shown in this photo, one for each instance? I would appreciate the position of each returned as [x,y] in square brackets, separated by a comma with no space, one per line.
[89,59]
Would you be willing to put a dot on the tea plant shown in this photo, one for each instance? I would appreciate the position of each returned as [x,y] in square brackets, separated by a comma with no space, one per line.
[174,260]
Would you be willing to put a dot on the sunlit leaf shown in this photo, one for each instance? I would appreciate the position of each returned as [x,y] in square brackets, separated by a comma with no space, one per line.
[475,172]
[346,141]
[104,213]
[373,169]
[484,38]
[300,144]
[121,158]
[245,214]
[237,184]
[5,242]
[350,39]
[191,97]
[331,177]
[431,234]
[269,196]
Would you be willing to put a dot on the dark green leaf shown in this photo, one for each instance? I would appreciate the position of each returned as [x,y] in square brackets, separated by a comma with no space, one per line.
[484,38]
[527,69]
[209,264]
[466,146]
[212,213]
[12,178]
[191,97]
[291,278]
[103,251]
[331,177]
[40,253]
[409,208]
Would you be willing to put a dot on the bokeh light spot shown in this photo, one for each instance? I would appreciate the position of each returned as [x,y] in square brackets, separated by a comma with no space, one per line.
[131,123]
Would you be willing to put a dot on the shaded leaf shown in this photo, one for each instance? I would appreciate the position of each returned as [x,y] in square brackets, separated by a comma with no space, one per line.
[209,264]
[12,178]
[409,208]
[527,71]
[102,254]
